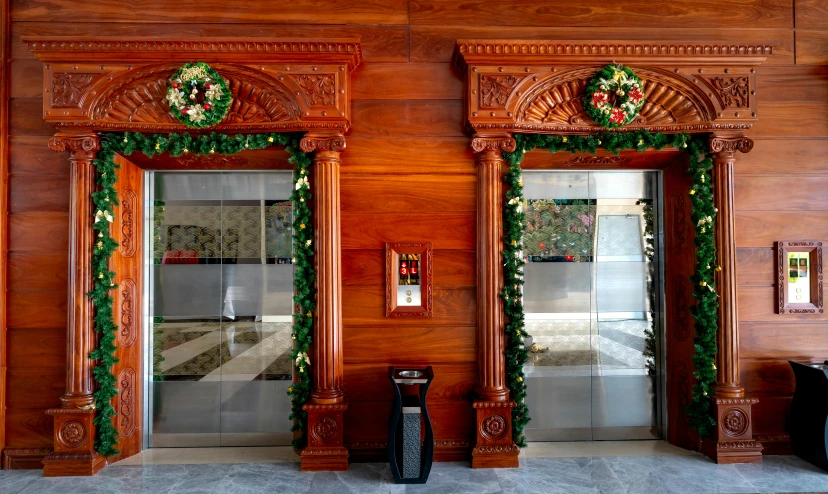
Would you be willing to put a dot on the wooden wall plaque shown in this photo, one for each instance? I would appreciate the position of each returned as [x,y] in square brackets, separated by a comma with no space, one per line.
[408,279]
[799,276]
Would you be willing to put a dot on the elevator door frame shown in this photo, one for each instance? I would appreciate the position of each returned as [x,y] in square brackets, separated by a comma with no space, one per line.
[659,429]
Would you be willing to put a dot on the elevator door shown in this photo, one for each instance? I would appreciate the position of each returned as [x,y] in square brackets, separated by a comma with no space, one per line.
[592,295]
[220,303]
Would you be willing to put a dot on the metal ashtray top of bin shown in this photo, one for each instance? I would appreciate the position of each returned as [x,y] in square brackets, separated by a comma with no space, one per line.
[410,436]
[809,413]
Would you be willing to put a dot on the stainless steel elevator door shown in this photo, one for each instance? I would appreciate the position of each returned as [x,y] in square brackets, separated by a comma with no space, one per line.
[220,300]
[592,298]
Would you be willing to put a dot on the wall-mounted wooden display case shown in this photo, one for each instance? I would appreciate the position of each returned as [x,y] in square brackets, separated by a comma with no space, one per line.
[799,276]
[408,272]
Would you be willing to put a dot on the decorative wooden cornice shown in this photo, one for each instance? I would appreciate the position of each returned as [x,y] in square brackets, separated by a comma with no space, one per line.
[718,144]
[493,143]
[312,143]
[538,86]
[121,84]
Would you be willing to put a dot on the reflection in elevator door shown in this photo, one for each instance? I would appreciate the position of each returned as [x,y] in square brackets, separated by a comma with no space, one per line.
[220,301]
[592,298]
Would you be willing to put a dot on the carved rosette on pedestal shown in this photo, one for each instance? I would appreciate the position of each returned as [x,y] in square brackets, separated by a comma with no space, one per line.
[74,445]
[734,441]
[495,448]
[325,449]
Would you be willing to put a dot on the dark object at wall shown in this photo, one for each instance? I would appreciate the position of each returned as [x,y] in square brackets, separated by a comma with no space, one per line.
[809,413]
[405,446]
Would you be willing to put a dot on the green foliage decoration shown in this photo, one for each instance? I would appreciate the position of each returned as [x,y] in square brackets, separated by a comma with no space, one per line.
[105,199]
[198,96]
[703,217]
[613,96]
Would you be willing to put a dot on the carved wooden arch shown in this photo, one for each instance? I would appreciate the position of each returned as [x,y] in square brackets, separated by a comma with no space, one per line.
[515,86]
[94,85]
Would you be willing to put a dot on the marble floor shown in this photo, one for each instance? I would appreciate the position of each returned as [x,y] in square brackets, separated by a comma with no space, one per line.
[571,475]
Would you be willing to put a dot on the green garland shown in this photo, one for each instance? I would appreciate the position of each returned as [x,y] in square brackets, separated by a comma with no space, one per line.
[105,199]
[703,215]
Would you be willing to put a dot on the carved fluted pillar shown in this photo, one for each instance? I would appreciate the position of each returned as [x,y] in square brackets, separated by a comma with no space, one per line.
[325,449]
[74,433]
[494,446]
[734,432]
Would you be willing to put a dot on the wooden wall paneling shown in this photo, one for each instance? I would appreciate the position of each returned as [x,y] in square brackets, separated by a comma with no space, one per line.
[762,229]
[366,306]
[811,14]
[758,303]
[763,377]
[791,119]
[755,266]
[407,81]
[784,340]
[380,43]
[26,79]
[365,382]
[420,118]
[170,12]
[777,156]
[26,309]
[34,387]
[31,155]
[38,194]
[38,232]
[28,428]
[452,268]
[799,193]
[418,194]
[37,271]
[638,13]
[369,231]
[435,43]
[409,344]
[45,348]
[812,47]
[25,118]
[770,417]
[800,83]
[5,88]
[435,155]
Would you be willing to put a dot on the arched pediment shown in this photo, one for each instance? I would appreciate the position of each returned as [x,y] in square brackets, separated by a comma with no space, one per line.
[539,86]
[122,84]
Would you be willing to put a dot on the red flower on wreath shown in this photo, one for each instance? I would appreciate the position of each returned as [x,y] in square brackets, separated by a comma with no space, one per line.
[599,98]
[618,116]
[635,95]
[541,245]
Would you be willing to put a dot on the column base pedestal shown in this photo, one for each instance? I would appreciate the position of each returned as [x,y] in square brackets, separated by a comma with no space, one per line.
[74,444]
[733,441]
[325,449]
[495,447]
[72,464]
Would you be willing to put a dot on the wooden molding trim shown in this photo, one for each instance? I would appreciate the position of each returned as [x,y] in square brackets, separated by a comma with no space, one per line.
[24,458]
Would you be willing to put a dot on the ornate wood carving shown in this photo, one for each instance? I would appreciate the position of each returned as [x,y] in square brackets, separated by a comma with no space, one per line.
[493,143]
[784,303]
[494,447]
[726,144]
[598,160]
[67,88]
[128,333]
[212,160]
[681,296]
[74,452]
[325,429]
[734,442]
[127,219]
[538,86]
[121,84]
[127,402]
[392,278]
[679,210]
[72,434]
[313,143]
[325,450]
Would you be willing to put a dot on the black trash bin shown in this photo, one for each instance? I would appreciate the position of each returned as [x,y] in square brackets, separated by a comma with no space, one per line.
[410,451]
[809,413]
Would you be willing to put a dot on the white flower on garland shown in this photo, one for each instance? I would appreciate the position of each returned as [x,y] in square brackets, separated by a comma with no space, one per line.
[196,113]
[302,359]
[175,97]
[99,215]
[214,92]
[514,201]
[703,221]
[302,182]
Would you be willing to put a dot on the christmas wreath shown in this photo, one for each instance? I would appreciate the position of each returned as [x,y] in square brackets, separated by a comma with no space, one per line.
[613,96]
[198,96]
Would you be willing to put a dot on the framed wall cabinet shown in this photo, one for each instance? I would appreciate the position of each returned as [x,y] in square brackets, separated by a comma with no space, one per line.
[799,276]
[408,274]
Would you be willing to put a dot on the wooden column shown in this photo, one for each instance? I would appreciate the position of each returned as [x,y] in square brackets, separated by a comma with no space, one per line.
[733,441]
[494,446]
[74,434]
[325,449]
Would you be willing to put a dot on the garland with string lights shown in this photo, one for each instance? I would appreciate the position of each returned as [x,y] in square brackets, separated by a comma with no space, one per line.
[704,291]
[105,199]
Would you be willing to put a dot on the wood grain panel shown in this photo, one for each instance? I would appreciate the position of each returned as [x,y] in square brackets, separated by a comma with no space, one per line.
[796,193]
[811,14]
[37,271]
[762,229]
[30,427]
[26,118]
[791,119]
[423,118]
[38,232]
[369,381]
[637,13]
[36,309]
[766,377]
[408,194]
[803,83]
[407,156]
[783,340]
[784,156]
[452,268]
[368,421]
[366,307]
[45,348]
[757,304]
[436,43]
[755,267]
[770,416]
[407,81]
[26,79]
[31,388]
[408,344]
[184,11]
[379,43]
[812,47]
[371,231]
[38,194]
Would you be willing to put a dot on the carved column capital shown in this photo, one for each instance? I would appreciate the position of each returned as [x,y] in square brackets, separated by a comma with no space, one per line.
[312,143]
[79,145]
[500,142]
[730,144]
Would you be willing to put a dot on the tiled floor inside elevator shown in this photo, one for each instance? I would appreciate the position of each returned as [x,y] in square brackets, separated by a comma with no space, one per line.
[649,467]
